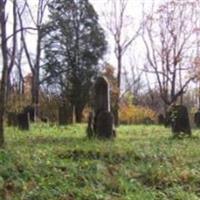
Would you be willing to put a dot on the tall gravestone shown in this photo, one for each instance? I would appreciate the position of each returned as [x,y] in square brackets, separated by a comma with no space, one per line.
[23,121]
[197,118]
[179,120]
[31,112]
[101,121]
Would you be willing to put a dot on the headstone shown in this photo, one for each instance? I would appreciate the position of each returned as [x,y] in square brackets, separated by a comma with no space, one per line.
[179,118]
[12,119]
[101,95]
[101,123]
[161,119]
[31,112]
[197,118]
[23,121]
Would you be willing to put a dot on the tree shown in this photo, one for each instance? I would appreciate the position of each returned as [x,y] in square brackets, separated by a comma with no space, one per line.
[34,61]
[74,43]
[168,36]
[6,62]
[117,22]
[133,80]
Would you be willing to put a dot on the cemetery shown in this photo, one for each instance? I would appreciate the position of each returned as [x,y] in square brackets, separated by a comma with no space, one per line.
[99,100]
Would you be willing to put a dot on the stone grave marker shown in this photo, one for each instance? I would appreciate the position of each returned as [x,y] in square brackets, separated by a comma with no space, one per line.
[23,121]
[179,119]
[101,122]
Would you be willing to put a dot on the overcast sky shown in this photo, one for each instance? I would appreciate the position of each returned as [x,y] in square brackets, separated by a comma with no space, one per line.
[136,53]
[134,10]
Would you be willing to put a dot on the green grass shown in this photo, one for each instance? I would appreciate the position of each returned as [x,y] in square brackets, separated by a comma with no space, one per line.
[60,163]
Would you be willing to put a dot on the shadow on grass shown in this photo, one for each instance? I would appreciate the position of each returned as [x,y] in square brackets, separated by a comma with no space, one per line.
[57,140]
[183,137]
[48,140]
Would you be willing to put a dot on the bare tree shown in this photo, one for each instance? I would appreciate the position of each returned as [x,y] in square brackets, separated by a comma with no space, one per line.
[117,22]
[34,62]
[168,36]
[6,62]
[133,79]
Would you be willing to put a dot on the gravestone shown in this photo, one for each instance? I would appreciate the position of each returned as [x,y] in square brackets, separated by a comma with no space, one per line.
[104,124]
[179,119]
[161,119]
[31,112]
[197,118]
[12,119]
[101,122]
[23,121]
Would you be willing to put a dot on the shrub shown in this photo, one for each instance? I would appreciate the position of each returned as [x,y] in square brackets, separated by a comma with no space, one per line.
[131,114]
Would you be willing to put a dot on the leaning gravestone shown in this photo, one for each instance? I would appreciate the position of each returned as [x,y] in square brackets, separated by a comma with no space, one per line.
[101,122]
[23,121]
[180,120]
[197,118]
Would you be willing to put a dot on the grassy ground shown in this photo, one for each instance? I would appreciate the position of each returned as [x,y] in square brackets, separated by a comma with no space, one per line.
[59,163]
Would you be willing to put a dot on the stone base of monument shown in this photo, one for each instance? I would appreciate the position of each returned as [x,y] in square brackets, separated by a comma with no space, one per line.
[180,121]
[197,118]
[104,125]
[23,121]
[12,119]
[101,126]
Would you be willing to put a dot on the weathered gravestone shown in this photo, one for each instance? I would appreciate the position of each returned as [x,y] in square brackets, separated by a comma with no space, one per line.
[161,119]
[31,112]
[65,115]
[12,119]
[101,121]
[23,121]
[197,118]
[179,120]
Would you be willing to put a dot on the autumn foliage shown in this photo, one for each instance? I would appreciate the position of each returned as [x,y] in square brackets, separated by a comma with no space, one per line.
[131,114]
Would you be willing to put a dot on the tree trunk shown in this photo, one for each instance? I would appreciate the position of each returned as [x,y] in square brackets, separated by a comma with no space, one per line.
[35,84]
[4,75]
[116,112]
[1,130]
[35,96]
